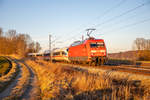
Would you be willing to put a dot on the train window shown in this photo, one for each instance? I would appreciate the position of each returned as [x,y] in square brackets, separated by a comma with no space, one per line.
[100,44]
[97,44]
[64,53]
[39,55]
[47,54]
[56,53]
[76,43]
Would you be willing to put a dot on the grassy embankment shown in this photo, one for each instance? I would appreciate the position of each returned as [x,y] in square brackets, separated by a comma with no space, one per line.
[64,82]
[5,66]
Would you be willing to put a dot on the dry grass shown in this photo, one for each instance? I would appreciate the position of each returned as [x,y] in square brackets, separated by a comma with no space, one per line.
[67,82]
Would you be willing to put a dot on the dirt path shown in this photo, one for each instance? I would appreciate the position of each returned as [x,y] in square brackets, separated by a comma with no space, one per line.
[32,92]
[8,90]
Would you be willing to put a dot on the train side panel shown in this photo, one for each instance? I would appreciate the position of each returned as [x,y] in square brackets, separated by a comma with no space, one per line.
[78,53]
[60,55]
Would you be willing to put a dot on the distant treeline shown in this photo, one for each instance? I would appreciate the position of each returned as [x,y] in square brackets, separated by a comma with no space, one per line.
[143,48]
[12,42]
[141,51]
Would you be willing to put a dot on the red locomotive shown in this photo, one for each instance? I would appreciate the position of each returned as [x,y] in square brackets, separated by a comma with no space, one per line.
[89,51]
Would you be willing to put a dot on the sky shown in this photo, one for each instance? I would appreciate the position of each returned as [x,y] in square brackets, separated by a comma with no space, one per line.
[118,22]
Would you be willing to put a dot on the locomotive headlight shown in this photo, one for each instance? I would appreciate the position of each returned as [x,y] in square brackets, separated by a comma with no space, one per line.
[93,51]
[102,51]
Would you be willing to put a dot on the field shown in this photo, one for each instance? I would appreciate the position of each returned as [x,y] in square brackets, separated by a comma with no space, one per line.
[31,79]
[5,66]
[69,82]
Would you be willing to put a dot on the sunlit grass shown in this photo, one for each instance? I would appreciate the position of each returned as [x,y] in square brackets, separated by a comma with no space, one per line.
[58,81]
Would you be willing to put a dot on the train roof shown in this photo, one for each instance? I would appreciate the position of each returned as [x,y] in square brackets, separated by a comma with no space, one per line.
[61,49]
[85,41]
[30,54]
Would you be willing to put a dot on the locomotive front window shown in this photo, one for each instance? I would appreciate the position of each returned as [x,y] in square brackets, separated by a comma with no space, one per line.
[97,44]
[64,53]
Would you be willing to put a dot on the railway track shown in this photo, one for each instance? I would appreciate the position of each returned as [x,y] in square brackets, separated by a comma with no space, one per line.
[130,69]
[142,70]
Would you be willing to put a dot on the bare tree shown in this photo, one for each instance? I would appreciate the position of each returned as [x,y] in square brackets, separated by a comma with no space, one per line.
[37,47]
[143,47]
[17,43]
[31,47]
[11,34]
[1,32]
[142,44]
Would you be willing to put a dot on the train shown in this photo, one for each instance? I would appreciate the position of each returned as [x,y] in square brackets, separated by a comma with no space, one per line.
[90,51]
[39,56]
[60,55]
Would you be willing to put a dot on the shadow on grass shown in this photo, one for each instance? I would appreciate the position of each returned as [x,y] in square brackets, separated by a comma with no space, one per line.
[120,90]
[104,94]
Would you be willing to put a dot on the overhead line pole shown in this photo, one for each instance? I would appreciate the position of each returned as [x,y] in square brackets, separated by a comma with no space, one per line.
[50,47]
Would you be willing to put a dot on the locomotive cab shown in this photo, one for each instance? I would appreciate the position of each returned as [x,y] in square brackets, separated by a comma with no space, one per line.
[89,51]
[97,51]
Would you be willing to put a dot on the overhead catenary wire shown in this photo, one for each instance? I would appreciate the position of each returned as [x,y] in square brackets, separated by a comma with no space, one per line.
[129,25]
[123,20]
[122,14]
[111,9]
[98,17]
[116,17]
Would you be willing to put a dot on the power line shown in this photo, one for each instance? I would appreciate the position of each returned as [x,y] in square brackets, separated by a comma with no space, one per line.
[129,25]
[126,19]
[133,9]
[112,8]
[122,14]
[106,12]
[120,3]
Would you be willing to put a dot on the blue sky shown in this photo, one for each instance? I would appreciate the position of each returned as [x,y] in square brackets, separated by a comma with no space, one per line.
[67,20]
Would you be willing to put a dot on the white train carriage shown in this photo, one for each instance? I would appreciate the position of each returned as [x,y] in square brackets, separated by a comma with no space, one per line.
[60,55]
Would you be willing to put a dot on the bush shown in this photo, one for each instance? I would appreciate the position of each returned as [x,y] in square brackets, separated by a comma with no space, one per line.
[144,55]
